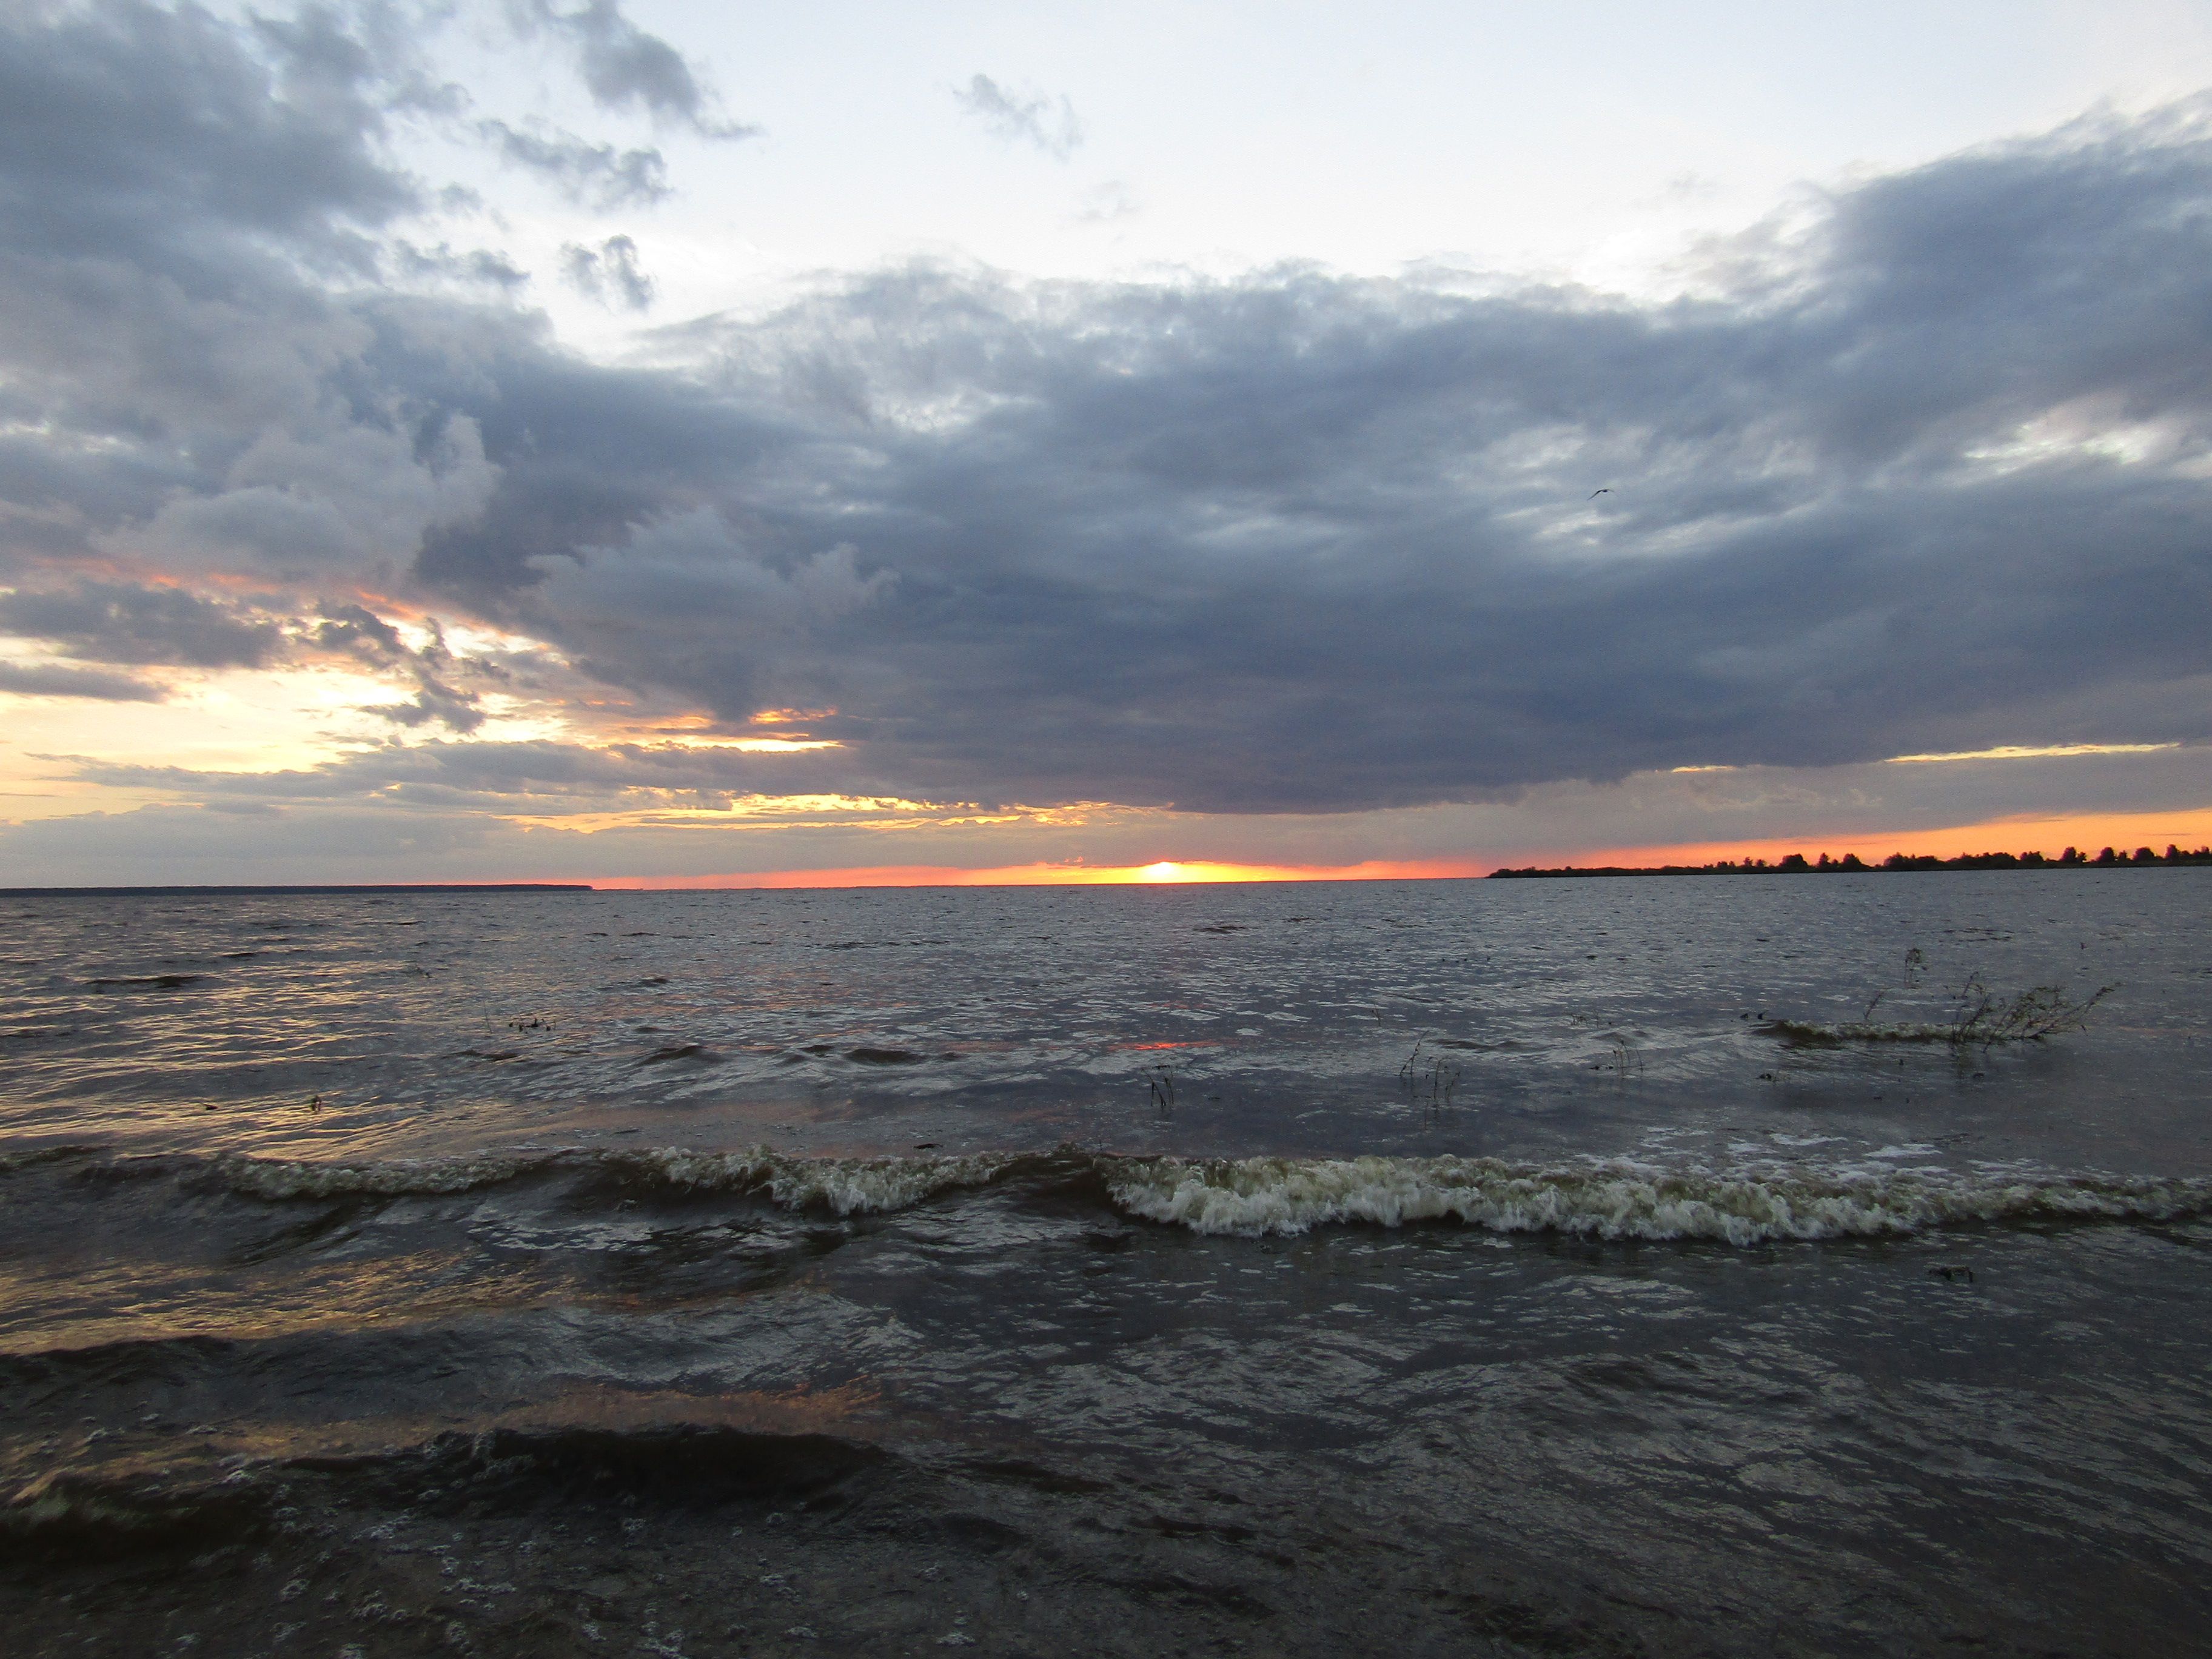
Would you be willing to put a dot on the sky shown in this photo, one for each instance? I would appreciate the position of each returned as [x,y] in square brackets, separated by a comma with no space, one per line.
[675,443]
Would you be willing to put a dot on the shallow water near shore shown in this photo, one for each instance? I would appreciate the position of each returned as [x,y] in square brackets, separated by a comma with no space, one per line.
[1455,1268]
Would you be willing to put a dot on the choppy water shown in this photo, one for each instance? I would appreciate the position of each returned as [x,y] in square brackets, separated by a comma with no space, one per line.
[1450,1267]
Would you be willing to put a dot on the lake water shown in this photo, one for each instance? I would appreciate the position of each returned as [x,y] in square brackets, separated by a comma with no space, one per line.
[1514,1267]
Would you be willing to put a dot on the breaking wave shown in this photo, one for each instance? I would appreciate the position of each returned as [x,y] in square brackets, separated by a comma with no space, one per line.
[1621,1201]
[1744,1204]
[844,1186]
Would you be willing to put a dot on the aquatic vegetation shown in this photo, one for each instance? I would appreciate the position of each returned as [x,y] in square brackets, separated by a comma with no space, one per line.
[1916,961]
[1979,1019]
[1161,1081]
[2039,1011]
[1429,1080]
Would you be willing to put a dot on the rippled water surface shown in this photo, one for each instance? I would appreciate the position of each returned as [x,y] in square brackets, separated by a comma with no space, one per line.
[1609,1267]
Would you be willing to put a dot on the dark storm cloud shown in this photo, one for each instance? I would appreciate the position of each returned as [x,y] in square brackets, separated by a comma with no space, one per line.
[1307,543]
[1931,474]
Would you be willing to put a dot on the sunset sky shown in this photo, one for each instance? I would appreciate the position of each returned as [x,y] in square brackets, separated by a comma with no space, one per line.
[587,440]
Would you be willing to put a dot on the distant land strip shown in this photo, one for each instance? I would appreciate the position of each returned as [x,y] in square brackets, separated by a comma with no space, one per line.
[311,887]
[1797,864]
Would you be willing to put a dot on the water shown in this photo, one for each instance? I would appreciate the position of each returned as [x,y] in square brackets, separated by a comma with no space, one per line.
[1459,1267]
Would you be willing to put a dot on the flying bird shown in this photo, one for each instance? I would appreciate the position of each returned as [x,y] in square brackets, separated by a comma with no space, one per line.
[1595,494]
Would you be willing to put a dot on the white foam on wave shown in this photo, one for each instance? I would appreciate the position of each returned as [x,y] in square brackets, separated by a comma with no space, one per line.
[1617,1200]
[846,1186]
[1742,1203]
[425,1177]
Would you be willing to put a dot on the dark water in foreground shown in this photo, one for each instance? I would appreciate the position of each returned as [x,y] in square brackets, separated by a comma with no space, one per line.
[1424,1268]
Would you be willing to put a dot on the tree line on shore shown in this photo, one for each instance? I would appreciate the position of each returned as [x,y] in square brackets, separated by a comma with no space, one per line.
[1797,864]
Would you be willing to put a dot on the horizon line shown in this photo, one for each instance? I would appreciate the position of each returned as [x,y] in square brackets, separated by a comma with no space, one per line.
[2044,834]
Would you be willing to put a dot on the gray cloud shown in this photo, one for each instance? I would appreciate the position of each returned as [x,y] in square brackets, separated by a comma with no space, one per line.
[1930,475]
[503,775]
[436,698]
[354,631]
[359,632]
[598,175]
[404,812]
[119,623]
[609,273]
[477,267]
[34,680]
[167,176]
[1022,118]
[627,68]
[434,701]
[1303,543]
[142,134]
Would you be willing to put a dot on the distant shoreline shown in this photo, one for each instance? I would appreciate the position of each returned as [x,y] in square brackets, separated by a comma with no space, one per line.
[242,889]
[1794,864]
[1797,864]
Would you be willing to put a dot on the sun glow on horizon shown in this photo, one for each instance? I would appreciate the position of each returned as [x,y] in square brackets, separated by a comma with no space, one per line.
[1161,872]
[2188,827]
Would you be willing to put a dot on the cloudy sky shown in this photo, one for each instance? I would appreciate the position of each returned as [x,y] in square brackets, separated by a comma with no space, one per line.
[595,440]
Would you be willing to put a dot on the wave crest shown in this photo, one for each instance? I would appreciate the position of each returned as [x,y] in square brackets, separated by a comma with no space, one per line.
[844,1186]
[1619,1201]
[1740,1204]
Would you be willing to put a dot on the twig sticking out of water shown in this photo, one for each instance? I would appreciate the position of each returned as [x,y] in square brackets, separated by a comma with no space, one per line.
[1443,1077]
[1162,1081]
[1406,1071]
[1915,961]
[1430,1083]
